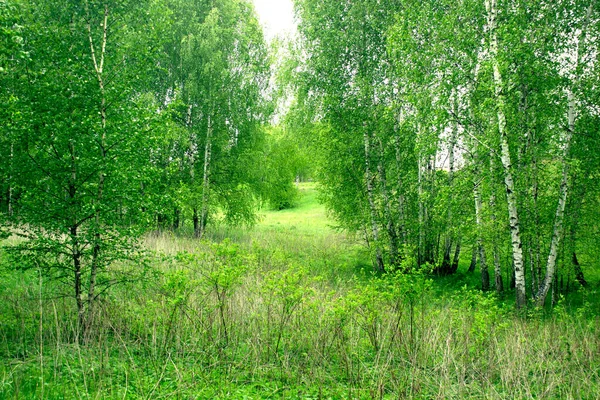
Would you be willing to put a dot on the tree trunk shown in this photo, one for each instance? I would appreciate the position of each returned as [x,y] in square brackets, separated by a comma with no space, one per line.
[421,192]
[477,180]
[447,266]
[76,250]
[534,241]
[564,189]
[517,246]
[432,243]
[557,232]
[76,258]
[578,271]
[206,179]
[531,197]
[534,281]
[454,267]
[426,250]
[536,251]
[579,276]
[99,69]
[379,266]
[473,264]
[176,218]
[499,282]
[485,275]
[196,222]
[401,200]
[391,226]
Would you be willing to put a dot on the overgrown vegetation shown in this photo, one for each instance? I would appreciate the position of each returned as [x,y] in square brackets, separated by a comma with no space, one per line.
[271,315]
[160,166]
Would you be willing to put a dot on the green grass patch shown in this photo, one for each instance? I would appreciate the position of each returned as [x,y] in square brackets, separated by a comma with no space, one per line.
[308,216]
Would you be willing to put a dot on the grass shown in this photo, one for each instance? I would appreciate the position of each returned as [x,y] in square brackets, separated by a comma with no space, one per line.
[284,311]
[305,234]
[307,217]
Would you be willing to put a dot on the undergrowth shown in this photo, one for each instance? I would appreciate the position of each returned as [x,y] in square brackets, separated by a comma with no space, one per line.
[222,321]
[289,313]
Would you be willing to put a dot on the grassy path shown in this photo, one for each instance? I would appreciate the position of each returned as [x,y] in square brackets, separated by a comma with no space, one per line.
[308,216]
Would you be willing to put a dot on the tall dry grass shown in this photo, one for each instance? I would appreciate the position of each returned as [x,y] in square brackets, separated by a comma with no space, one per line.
[253,321]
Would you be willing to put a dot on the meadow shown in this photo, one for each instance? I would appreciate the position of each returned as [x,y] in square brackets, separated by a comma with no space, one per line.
[290,309]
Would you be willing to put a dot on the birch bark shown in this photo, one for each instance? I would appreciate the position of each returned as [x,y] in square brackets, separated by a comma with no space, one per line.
[421,194]
[485,276]
[516,243]
[557,232]
[379,266]
[390,225]
[558,229]
[99,69]
[401,199]
[446,267]
[498,280]
[206,178]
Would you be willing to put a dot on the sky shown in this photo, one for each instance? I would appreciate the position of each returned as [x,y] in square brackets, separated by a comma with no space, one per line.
[276,17]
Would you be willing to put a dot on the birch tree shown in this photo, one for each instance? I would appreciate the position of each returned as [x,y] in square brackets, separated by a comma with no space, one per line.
[82,144]
[517,246]
[579,53]
[218,74]
[506,82]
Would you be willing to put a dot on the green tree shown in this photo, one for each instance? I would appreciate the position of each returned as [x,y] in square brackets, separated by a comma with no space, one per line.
[83,144]
[12,59]
[416,104]
[280,166]
[216,74]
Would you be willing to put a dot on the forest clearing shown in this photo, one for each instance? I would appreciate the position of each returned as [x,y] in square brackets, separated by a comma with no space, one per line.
[291,310]
[399,199]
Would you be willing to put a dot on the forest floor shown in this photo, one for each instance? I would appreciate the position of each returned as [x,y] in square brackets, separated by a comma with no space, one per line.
[290,309]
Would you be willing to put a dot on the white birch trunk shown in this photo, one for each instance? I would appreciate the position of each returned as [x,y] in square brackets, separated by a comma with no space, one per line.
[446,267]
[206,178]
[481,54]
[401,199]
[379,267]
[557,232]
[517,246]
[391,226]
[99,69]
[499,282]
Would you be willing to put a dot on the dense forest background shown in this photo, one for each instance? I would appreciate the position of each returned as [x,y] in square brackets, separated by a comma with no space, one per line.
[146,145]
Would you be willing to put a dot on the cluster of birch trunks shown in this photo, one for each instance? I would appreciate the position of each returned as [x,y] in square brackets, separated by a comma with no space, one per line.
[462,125]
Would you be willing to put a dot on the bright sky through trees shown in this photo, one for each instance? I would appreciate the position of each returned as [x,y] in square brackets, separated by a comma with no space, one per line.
[276,16]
